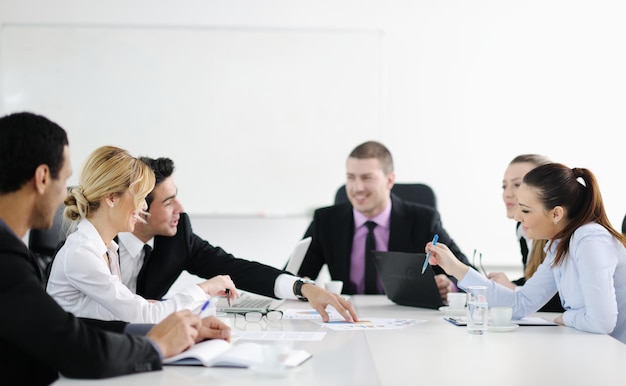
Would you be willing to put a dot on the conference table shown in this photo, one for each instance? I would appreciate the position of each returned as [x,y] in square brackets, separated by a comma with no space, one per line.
[430,352]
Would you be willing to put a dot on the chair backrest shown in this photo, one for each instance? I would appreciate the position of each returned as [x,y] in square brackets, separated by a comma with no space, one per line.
[624,225]
[419,193]
[44,242]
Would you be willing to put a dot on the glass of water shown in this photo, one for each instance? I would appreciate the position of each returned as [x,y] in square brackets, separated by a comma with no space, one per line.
[477,310]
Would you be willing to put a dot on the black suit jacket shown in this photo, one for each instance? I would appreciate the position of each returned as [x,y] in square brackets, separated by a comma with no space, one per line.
[188,252]
[38,339]
[412,226]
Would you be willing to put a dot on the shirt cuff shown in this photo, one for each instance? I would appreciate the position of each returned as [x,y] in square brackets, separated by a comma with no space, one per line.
[453,287]
[142,329]
[138,328]
[283,286]
[156,348]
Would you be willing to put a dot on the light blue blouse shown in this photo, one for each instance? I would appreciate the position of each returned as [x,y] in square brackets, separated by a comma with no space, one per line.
[591,282]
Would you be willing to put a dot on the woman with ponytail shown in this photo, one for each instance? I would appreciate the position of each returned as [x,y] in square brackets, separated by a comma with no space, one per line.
[585,256]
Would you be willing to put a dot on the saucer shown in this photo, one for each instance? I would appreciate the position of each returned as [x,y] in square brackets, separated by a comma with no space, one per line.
[446,310]
[508,328]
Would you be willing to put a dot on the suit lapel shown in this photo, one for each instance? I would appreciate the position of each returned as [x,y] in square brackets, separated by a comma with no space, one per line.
[343,236]
[398,239]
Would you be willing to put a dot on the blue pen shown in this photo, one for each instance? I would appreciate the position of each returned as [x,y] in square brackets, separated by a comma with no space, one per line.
[204,306]
[428,255]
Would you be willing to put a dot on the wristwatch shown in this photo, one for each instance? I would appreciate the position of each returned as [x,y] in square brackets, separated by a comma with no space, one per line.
[297,288]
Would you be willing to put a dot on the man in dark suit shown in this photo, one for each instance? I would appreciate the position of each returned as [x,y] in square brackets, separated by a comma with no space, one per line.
[339,232]
[175,248]
[38,339]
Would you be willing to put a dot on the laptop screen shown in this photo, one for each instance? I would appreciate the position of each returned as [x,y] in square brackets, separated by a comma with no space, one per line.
[403,281]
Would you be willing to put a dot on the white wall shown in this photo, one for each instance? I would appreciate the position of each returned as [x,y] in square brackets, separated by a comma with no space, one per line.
[464,87]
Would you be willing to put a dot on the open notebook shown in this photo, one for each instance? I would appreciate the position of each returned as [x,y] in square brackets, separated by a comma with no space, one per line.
[527,321]
[220,353]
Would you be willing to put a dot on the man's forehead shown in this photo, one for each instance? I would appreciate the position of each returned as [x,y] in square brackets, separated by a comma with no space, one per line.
[369,169]
[67,158]
[166,189]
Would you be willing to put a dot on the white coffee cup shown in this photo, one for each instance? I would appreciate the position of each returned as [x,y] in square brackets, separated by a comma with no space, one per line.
[334,286]
[457,300]
[501,316]
[273,355]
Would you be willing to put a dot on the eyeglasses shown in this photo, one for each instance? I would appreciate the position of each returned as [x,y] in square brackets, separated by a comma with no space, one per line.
[480,261]
[256,316]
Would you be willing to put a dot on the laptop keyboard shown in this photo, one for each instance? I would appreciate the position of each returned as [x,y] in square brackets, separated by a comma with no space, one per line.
[252,303]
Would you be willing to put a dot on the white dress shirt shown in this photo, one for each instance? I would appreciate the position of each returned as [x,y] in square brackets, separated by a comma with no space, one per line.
[591,282]
[83,283]
[131,260]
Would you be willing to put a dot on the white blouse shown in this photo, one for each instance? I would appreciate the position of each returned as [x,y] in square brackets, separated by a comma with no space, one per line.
[84,284]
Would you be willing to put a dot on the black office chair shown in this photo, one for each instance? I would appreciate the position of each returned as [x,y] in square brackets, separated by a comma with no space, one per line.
[419,193]
[624,225]
[43,243]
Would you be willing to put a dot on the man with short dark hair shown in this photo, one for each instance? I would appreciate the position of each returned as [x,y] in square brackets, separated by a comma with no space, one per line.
[339,232]
[38,339]
[175,248]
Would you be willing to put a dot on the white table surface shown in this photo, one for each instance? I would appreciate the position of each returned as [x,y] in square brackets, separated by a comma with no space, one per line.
[434,352]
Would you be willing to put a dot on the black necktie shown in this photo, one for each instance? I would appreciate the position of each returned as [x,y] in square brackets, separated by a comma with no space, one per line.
[371,286]
[524,249]
[523,246]
[146,252]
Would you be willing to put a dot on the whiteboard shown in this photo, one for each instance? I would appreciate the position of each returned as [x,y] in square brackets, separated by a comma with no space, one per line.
[257,120]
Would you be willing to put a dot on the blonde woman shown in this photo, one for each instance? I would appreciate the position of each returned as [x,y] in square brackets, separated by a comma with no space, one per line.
[85,275]
[513,175]
[532,250]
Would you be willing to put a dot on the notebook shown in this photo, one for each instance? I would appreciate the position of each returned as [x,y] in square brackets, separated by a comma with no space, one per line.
[220,353]
[250,302]
[404,284]
[528,321]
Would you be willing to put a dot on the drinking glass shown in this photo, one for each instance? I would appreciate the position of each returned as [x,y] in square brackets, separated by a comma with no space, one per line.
[477,310]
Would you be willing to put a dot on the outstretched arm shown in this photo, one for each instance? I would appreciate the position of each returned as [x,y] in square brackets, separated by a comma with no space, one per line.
[319,298]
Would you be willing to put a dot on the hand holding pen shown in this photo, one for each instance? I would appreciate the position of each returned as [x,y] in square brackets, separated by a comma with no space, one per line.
[220,285]
[227,296]
[211,327]
[434,242]
[439,254]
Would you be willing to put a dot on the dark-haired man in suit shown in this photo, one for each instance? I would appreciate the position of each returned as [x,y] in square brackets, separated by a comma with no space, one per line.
[176,248]
[339,232]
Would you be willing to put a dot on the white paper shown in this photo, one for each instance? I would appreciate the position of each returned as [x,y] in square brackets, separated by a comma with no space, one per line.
[371,324]
[278,335]
[302,313]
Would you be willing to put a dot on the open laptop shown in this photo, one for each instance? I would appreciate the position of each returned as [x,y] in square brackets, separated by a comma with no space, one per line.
[249,302]
[403,281]
[295,260]
[252,302]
